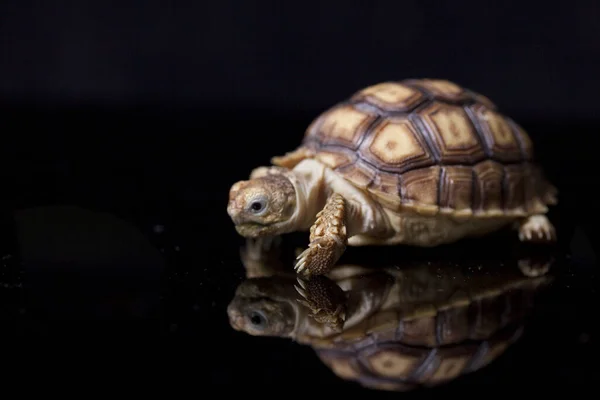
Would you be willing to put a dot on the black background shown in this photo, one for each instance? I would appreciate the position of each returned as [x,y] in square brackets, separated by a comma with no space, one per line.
[150,110]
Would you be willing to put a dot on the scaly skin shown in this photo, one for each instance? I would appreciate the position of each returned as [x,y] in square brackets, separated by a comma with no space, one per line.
[328,239]
[325,300]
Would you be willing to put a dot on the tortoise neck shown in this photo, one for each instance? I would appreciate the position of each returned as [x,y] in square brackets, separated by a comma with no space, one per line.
[308,180]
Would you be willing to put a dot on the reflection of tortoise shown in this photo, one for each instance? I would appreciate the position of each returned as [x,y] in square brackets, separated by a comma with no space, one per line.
[418,162]
[392,328]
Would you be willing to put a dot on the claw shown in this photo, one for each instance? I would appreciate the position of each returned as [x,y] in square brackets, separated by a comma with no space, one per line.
[337,311]
[300,266]
[303,302]
[301,283]
[301,291]
[303,253]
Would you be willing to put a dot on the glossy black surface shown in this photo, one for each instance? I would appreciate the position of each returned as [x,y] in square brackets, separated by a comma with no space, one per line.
[114,230]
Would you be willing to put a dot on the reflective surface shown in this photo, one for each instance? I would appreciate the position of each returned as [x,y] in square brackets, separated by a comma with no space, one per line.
[396,325]
[385,319]
[128,247]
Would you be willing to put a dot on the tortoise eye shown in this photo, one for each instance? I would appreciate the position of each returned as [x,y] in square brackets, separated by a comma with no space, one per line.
[258,205]
[257,319]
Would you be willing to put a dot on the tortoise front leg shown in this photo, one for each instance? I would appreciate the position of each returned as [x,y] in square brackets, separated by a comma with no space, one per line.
[328,239]
[325,300]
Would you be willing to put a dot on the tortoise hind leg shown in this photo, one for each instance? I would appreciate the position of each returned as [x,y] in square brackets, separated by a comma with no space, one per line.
[536,228]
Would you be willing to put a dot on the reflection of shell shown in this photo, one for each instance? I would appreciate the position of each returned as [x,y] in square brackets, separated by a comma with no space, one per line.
[423,340]
[430,145]
[392,365]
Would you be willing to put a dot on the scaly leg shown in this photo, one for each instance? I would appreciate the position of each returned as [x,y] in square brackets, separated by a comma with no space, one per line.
[536,228]
[324,299]
[328,239]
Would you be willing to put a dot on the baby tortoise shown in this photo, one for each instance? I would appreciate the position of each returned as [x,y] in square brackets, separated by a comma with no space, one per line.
[420,162]
[390,328]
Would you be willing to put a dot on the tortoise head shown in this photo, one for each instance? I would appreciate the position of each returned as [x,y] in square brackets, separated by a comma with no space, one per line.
[262,206]
[263,307]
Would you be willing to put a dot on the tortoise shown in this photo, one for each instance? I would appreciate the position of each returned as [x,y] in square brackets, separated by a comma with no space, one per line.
[390,328]
[419,162]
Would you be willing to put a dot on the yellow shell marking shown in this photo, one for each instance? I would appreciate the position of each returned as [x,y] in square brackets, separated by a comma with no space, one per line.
[343,123]
[442,86]
[454,127]
[389,364]
[389,92]
[396,142]
[501,133]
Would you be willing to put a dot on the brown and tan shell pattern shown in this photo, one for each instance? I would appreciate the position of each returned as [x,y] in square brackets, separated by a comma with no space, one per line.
[429,347]
[397,367]
[431,146]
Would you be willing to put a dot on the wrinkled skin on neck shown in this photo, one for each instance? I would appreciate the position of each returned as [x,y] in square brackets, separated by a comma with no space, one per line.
[263,206]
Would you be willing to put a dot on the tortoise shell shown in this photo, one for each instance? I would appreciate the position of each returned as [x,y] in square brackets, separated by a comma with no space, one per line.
[431,146]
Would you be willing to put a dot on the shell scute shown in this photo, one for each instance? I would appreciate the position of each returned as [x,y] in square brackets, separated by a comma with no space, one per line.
[340,366]
[489,177]
[441,89]
[498,135]
[395,145]
[385,322]
[420,186]
[456,189]
[344,125]
[524,140]
[452,133]
[386,188]
[335,159]
[418,331]
[448,368]
[489,310]
[453,325]
[495,349]
[392,361]
[390,96]
[359,173]
[514,188]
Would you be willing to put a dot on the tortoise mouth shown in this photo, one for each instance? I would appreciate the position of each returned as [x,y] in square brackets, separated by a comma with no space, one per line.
[252,229]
